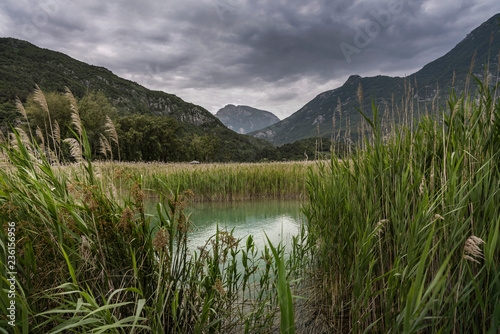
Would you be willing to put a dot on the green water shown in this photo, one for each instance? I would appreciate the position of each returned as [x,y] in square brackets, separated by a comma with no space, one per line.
[279,219]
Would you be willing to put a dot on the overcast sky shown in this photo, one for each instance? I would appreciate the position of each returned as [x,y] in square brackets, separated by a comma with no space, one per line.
[270,54]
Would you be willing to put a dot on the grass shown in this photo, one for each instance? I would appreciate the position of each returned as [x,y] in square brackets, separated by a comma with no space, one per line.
[88,261]
[405,236]
[216,182]
[284,293]
[407,231]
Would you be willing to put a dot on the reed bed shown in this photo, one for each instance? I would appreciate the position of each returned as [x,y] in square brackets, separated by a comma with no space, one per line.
[216,182]
[406,233]
[86,260]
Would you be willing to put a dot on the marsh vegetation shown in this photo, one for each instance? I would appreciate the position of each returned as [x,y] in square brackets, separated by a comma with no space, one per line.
[402,236]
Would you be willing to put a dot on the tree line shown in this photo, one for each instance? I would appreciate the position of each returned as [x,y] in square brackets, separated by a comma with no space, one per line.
[51,118]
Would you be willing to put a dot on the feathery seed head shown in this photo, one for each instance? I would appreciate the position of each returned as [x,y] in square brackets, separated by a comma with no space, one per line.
[72,100]
[422,186]
[111,130]
[437,216]
[39,98]
[161,240]
[20,108]
[39,133]
[360,95]
[75,149]
[77,122]
[380,226]
[472,250]
[57,131]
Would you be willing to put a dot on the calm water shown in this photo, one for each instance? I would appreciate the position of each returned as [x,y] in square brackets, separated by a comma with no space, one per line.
[279,219]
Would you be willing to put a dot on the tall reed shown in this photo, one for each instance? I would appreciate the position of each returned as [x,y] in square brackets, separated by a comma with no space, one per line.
[89,262]
[217,182]
[407,231]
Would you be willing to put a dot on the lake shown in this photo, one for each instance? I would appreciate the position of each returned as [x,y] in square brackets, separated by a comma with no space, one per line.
[279,219]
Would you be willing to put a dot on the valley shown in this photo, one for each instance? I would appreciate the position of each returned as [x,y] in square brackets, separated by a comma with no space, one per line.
[373,208]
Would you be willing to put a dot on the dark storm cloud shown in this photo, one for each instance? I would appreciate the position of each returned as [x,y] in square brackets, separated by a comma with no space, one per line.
[273,55]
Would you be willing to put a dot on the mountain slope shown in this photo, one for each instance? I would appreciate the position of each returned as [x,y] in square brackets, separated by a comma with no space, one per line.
[316,117]
[22,65]
[245,119]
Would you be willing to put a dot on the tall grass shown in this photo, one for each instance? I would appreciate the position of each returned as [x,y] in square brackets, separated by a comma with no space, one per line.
[88,261]
[407,231]
[88,264]
[284,293]
[216,182]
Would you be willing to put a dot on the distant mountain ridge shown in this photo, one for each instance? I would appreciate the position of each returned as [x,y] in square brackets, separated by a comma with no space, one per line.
[316,117]
[245,119]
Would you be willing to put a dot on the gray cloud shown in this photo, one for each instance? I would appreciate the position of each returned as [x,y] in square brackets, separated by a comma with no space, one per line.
[274,55]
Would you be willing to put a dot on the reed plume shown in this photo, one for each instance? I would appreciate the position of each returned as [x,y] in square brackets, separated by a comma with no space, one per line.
[379,227]
[469,75]
[22,111]
[57,130]
[361,123]
[39,97]
[72,100]
[360,96]
[75,115]
[472,250]
[339,105]
[75,149]
[105,146]
[77,122]
[39,133]
[110,128]
[57,138]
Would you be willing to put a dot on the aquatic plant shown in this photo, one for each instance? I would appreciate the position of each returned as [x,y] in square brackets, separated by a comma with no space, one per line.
[407,231]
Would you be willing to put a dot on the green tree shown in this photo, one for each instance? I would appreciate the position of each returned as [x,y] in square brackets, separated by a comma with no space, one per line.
[149,138]
[7,116]
[204,147]
[93,108]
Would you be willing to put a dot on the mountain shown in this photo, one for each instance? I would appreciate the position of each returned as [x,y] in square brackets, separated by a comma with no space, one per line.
[22,65]
[420,89]
[245,119]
